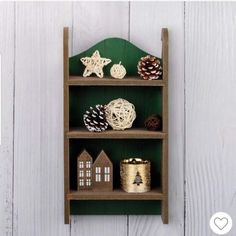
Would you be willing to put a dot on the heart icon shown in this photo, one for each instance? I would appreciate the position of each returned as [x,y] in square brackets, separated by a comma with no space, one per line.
[221,223]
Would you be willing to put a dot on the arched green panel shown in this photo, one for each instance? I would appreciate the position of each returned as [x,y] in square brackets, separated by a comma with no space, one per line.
[117,50]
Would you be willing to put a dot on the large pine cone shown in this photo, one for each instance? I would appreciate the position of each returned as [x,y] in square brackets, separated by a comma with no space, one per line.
[95,120]
[150,68]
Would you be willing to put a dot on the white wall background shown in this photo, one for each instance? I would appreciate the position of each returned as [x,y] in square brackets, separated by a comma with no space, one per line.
[202,112]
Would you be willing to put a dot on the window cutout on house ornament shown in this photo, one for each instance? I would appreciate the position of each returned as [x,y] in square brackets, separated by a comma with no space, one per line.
[106,174]
[98,174]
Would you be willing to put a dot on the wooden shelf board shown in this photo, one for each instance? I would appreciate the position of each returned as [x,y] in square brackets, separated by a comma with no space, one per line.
[134,133]
[117,194]
[127,81]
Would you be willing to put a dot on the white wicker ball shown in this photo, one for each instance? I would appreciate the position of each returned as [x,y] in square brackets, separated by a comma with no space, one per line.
[120,114]
[118,71]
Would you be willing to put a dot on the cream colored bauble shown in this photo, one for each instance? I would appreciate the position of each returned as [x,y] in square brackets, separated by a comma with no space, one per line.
[118,71]
[120,114]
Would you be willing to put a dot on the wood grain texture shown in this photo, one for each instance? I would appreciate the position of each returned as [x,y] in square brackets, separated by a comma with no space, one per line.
[38,177]
[145,32]
[92,22]
[7,103]
[133,133]
[95,21]
[165,126]
[66,122]
[127,81]
[98,225]
[210,114]
[117,194]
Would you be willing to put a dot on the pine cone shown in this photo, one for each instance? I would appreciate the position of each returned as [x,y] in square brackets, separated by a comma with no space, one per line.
[95,120]
[150,68]
[153,122]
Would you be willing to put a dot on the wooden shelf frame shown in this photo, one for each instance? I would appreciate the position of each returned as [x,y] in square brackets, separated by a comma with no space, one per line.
[156,194]
[164,172]
[66,125]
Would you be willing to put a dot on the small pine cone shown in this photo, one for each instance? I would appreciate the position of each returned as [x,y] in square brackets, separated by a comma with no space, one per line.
[153,123]
[150,68]
[95,120]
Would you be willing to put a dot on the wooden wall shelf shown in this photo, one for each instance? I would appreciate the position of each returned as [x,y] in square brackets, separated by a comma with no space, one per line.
[148,97]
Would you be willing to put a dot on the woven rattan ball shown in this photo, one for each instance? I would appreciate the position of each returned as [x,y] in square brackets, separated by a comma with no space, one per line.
[118,71]
[120,114]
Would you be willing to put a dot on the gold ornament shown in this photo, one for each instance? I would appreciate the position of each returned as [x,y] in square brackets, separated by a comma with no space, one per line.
[135,175]
[94,64]
[118,71]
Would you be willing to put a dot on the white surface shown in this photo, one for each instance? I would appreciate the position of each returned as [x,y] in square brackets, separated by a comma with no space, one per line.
[202,39]
[0,99]
[38,149]
[210,114]
[6,147]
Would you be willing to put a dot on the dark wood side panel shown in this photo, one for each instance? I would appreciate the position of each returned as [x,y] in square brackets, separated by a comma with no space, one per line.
[66,122]
[165,126]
